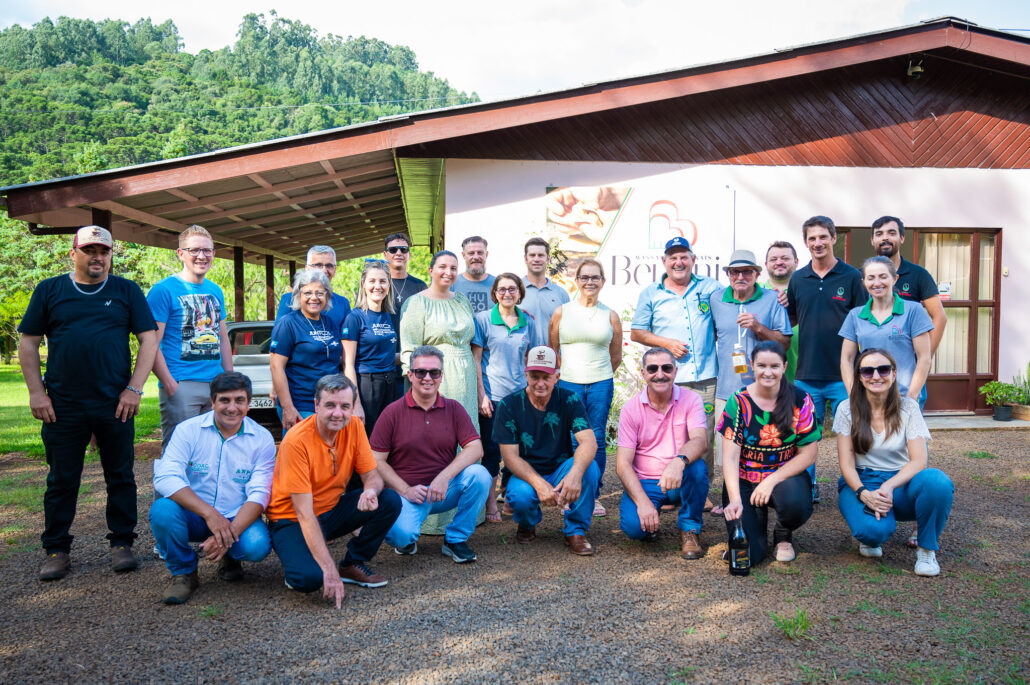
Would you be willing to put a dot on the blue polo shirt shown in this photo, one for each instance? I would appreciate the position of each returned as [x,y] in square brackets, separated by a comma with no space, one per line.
[895,334]
[725,309]
[541,303]
[819,306]
[915,284]
[336,315]
[687,318]
[504,351]
[313,350]
[376,338]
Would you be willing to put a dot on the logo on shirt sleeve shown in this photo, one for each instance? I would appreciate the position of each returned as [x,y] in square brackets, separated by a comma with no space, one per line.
[275,344]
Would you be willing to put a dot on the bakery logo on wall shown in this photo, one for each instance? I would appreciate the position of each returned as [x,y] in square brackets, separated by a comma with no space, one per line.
[664,224]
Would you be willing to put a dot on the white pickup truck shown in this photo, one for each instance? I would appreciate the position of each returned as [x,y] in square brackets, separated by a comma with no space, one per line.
[250,341]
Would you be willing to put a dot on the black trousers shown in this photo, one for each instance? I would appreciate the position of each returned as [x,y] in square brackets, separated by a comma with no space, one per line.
[491,450]
[377,390]
[65,442]
[792,500]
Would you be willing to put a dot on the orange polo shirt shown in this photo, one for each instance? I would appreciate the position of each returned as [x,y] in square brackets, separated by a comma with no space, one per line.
[305,465]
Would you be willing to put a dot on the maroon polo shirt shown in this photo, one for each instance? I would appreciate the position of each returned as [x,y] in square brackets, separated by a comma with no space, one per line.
[421,443]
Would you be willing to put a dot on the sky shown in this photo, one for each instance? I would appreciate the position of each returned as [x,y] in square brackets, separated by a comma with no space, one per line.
[499,51]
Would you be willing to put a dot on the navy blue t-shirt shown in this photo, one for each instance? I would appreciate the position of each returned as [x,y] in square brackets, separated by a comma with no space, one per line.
[336,314]
[376,338]
[313,350]
[88,360]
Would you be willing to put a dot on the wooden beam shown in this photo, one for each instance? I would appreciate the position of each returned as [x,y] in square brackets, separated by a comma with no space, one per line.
[307,221]
[311,210]
[270,287]
[237,283]
[102,218]
[311,227]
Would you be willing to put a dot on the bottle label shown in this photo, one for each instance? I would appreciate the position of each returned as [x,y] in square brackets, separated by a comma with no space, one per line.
[739,363]
[739,558]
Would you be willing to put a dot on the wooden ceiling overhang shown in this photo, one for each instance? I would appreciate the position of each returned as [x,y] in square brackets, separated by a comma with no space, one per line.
[845,102]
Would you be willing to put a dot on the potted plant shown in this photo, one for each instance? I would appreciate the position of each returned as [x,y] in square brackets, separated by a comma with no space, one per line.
[1000,396]
[1021,407]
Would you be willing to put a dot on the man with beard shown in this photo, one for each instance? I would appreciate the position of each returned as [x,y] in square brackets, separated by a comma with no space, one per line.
[475,283]
[781,261]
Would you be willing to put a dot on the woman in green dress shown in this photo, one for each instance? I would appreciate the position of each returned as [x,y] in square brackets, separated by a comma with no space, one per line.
[436,316]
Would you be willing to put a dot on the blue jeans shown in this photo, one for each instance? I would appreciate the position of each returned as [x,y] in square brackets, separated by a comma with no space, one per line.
[175,527]
[926,499]
[690,496]
[526,505]
[822,392]
[597,398]
[466,492]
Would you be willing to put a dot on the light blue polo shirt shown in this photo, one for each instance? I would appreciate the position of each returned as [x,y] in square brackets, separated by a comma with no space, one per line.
[894,334]
[504,351]
[541,303]
[687,318]
[725,309]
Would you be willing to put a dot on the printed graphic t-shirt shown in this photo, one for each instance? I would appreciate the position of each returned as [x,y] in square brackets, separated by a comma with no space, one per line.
[312,351]
[376,338]
[192,315]
[544,437]
[477,292]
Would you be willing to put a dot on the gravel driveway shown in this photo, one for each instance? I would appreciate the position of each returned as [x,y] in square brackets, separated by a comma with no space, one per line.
[634,613]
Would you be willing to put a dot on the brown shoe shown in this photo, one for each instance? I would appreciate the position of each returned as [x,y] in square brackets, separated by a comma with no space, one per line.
[180,589]
[122,559]
[578,544]
[690,545]
[525,535]
[56,566]
[230,570]
[361,574]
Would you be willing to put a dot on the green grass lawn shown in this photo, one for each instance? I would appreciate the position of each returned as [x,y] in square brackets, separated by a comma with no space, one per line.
[19,432]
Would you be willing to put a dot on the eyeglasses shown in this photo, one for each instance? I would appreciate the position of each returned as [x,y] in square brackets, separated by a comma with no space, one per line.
[590,279]
[317,295]
[197,251]
[507,291]
[740,272]
[394,249]
[653,368]
[883,369]
[433,373]
[321,265]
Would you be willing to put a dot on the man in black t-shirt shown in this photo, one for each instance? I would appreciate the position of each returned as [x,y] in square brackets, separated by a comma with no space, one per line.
[397,253]
[534,429]
[89,389]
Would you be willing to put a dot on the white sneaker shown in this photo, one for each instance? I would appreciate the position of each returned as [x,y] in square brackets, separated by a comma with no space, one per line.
[926,562]
[870,552]
[158,553]
[785,552]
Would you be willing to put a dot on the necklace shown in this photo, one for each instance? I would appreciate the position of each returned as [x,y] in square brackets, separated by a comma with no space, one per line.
[400,295]
[319,334]
[76,285]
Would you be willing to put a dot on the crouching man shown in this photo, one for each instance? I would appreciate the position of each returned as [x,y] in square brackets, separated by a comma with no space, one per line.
[662,441]
[215,478]
[534,429]
[415,443]
[310,505]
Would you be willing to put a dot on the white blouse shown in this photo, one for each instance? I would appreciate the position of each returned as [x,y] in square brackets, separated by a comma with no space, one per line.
[889,452]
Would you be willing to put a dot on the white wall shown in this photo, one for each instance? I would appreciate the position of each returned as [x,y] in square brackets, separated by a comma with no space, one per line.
[504,202]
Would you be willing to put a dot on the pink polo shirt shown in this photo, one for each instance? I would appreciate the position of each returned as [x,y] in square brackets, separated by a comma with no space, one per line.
[658,437]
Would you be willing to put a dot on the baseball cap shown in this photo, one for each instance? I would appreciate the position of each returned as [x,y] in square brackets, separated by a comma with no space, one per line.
[677,243]
[542,358]
[741,258]
[92,235]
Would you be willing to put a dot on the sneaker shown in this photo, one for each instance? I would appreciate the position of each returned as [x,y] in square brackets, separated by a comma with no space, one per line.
[870,552]
[459,551]
[122,559]
[361,574]
[785,552]
[56,566]
[599,510]
[180,589]
[158,553]
[407,550]
[926,563]
[230,570]
[650,537]
[815,494]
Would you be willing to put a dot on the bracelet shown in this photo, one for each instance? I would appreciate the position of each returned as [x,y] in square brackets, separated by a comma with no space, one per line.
[138,391]
[686,461]
[858,493]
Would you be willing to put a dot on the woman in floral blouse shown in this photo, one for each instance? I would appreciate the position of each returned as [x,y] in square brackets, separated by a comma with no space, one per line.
[769,438]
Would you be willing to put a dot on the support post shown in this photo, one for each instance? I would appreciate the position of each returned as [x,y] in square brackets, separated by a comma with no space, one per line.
[102,218]
[270,287]
[293,272]
[237,281]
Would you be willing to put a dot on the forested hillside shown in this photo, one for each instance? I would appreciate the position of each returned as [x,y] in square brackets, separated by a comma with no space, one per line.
[78,96]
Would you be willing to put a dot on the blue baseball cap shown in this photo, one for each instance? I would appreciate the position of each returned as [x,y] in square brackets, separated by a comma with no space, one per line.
[676,243]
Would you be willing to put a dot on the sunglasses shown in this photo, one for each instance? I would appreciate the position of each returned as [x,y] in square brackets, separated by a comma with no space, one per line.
[867,371]
[433,373]
[394,249]
[653,368]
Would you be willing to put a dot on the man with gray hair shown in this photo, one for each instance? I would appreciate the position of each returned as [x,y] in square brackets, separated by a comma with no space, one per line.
[310,504]
[427,449]
[659,459]
[323,258]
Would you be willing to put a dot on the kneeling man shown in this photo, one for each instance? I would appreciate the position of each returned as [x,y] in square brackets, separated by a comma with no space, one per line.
[662,440]
[310,504]
[215,477]
[415,441]
[534,429]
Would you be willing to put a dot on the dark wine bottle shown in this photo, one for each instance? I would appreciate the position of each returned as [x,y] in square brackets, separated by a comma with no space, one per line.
[740,557]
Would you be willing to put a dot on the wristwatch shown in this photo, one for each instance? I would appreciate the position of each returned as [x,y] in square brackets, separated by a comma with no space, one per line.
[138,391]
[686,461]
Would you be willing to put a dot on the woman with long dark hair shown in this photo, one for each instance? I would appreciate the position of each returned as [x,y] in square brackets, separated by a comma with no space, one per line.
[769,438]
[881,443]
